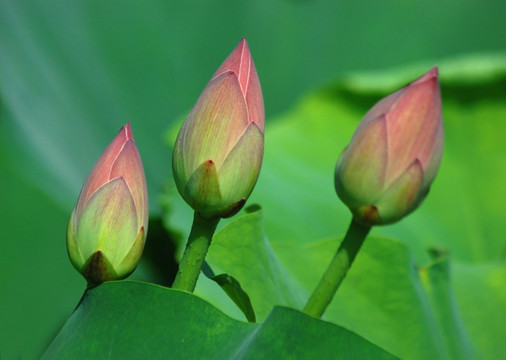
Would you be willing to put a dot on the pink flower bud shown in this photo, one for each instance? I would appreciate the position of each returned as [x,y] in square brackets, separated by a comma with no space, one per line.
[219,149]
[108,225]
[393,157]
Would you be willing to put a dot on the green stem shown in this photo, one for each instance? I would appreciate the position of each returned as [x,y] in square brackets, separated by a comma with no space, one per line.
[195,252]
[329,283]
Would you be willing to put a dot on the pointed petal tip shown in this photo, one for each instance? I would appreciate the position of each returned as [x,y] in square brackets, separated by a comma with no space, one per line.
[432,74]
[125,132]
[242,46]
[238,61]
[128,131]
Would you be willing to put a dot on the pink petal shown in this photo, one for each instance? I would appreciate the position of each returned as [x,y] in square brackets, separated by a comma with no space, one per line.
[241,63]
[128,165]
[215,123]
[100,174]
[413,124]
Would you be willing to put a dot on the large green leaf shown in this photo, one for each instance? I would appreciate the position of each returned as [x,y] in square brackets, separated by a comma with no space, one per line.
[131,320]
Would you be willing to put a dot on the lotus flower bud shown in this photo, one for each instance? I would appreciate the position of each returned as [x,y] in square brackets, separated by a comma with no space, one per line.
[108,225]
[219,149]
[394,155]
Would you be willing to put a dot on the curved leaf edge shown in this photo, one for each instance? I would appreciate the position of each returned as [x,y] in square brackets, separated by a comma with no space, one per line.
[127,319]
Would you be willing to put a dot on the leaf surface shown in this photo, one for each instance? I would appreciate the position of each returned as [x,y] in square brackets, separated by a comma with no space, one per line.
[133,320]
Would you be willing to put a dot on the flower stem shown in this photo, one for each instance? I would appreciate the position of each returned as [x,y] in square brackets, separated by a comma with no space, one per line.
[339,266]
[196,249]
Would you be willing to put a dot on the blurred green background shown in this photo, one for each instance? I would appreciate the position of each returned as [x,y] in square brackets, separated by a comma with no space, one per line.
[72,73]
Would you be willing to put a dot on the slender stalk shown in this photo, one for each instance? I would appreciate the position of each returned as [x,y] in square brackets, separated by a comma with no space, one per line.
[196,249]
[341,263]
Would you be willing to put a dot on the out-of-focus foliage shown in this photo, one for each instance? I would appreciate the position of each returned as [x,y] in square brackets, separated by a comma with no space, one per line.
[71,73]
[84,68]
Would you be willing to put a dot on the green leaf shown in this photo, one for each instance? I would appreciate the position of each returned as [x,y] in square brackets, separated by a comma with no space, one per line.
[234,290]
[237,294]
[435,280]
[132,320]
[480,295]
